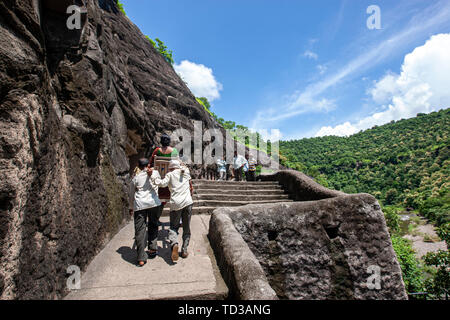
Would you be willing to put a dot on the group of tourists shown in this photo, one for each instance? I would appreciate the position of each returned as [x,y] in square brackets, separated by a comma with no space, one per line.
[150,191]
[147,187]
[242,166]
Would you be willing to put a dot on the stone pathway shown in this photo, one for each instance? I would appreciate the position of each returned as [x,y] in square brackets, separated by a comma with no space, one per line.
[113,273]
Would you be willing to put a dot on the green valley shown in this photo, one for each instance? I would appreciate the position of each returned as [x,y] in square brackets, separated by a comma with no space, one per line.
[404,163]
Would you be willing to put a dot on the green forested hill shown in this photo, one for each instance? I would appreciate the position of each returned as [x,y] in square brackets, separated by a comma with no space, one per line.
[401,163]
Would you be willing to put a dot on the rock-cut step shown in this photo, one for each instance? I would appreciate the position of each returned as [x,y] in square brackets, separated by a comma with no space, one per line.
[239,192]
[235,203]
[241,197]
[216,182]
[225,186]
[210,195]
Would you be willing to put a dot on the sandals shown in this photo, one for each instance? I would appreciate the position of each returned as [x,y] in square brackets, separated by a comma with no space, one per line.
[141,263]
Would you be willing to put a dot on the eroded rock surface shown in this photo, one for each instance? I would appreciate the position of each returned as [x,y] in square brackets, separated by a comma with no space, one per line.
[323,249]
[76,108]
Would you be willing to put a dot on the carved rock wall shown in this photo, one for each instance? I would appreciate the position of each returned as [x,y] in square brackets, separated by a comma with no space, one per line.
[77,108]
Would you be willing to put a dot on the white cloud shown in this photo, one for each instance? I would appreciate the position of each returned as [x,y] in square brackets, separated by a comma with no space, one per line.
[322,68]
[311,55]
[199,79]
[384,89]
[345,129]
[311,99]
[421,86]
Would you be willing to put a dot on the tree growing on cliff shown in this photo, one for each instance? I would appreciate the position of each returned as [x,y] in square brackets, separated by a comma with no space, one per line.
[120,5]
[151,41]
[233,128]
[204,101]
[162,49]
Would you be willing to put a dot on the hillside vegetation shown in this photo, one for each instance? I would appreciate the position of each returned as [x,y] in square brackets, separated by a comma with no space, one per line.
[404,163]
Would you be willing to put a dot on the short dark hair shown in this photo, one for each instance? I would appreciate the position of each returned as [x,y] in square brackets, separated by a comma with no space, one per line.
[143,162]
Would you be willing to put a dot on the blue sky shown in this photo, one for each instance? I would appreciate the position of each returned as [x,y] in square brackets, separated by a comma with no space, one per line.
[306,68]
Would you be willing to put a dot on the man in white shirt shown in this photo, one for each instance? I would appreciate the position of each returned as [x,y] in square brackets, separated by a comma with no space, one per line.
[179,182]
[145,204]
[222,169]
[238,165]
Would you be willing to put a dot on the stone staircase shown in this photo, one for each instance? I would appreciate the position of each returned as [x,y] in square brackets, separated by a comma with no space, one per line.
[212,194]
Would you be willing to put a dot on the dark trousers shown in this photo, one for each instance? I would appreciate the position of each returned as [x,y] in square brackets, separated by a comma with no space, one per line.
[142,219]
[250,175]
[185,216]
[238,174]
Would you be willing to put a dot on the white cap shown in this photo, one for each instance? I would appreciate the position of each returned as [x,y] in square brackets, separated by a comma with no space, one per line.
[174,164]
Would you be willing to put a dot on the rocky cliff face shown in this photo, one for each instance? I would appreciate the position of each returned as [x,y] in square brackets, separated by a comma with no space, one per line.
[76,108]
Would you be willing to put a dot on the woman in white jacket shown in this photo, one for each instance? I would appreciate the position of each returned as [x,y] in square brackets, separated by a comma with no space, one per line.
[145,204]
[179,182]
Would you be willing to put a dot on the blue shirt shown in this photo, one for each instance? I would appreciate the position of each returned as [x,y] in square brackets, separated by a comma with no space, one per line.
[221,165]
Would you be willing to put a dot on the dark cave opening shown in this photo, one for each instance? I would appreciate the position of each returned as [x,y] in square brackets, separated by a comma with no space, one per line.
[272,235]
[332,232]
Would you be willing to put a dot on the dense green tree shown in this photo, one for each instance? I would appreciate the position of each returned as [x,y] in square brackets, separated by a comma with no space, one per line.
[392,219]
[391,196]
[411,272]
[439,284]
[229,125]
[404,162]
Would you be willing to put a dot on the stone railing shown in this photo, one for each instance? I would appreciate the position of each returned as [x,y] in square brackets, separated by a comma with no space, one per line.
[324,249]
[239,267]
[299,186]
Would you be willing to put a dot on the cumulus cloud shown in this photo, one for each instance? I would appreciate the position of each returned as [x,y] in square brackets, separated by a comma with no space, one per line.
[384,89]
[345,129]
[311,55]
[421,86]
[200,79]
